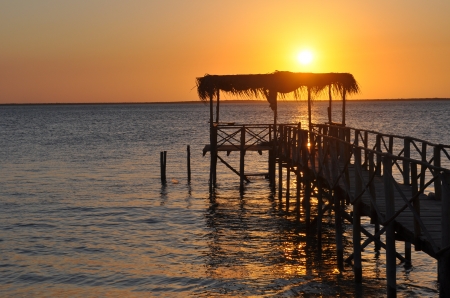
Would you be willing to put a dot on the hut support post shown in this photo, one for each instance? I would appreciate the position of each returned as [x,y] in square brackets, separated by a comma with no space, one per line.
[391,265]
[329,104]
[218,106]
[444,259]
[343,106]
[338,229]
[309,110]
[241,161]
[213,146]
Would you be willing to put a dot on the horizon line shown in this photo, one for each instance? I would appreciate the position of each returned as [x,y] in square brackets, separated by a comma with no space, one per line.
[222,100]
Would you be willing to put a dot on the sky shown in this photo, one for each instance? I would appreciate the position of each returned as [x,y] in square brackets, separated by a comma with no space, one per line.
[54,51]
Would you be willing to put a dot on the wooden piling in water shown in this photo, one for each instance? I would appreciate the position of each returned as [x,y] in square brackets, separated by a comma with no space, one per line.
[163,158]
[391,265]
[241,161]
[188,152]
[357,265]
[444,258]
[319,214]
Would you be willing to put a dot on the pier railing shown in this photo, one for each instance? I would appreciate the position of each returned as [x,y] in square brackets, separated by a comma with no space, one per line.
[329,151]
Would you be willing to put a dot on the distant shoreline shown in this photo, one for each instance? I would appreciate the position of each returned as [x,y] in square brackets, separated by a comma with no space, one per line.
[203,102]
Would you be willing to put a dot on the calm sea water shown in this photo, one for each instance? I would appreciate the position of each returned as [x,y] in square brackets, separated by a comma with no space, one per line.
[83,212]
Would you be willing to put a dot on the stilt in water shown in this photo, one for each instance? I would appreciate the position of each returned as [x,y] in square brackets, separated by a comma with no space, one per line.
[319,214]
[338,224]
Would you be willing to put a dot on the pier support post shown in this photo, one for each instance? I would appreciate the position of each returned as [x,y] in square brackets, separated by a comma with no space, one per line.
[319,214]
[280,179]
[391,265]
[416,205]
[444,259]
[357,265]
[241,161]
[307,203]
[297,196]
[338,224]
[288,187]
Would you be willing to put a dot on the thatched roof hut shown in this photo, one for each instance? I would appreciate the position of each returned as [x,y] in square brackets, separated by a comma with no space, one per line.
[279,82]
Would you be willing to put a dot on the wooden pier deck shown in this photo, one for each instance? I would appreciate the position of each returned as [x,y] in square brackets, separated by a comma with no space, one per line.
[384,177]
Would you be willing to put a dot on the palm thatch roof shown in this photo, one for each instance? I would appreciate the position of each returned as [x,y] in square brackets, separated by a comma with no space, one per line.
[278,82]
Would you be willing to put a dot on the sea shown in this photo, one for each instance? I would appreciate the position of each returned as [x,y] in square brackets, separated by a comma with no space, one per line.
[83,212]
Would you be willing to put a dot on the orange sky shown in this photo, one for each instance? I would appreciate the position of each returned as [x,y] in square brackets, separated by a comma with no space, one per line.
[144,51]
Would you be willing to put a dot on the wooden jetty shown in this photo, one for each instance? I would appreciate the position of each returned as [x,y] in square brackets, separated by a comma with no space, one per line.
[381,176]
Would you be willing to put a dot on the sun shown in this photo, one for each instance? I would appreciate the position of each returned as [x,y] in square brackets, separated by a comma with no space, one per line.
[305,57]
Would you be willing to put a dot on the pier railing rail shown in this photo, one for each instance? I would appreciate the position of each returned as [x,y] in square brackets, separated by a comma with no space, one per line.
[407,166]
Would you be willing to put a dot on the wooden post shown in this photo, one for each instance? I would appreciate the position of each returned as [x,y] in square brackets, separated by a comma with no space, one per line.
[378,149]
[338,224]
[217,106]
[280,180]
[437,163]
[366,153]
[343,107]
[407,154]
[407,254]
[373,212]
[297,197]
[423,168]
[163,158]
[319,214]
[312,150]
[357,265]
[307,198]
[288,186]
[272,158]
[189,163]
[213,146]
[329,104]
[416,205]
[309,110]
[241,161]
[444,259]
[391,265]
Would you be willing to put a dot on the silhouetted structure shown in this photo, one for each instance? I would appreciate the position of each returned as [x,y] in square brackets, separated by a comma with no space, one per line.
[342,165]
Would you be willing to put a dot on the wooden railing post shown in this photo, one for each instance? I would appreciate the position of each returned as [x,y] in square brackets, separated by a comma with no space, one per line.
[423,167]
[378,149]
[416,205]
[366,145]
[391,265]
[444,259]
[312,150]
[437,163]
[373,212]
[407,154]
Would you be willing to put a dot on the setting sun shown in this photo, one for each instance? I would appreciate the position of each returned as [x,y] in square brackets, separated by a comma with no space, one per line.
[305,57]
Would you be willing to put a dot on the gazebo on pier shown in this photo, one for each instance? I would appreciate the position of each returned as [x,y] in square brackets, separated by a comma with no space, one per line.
[272,86]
